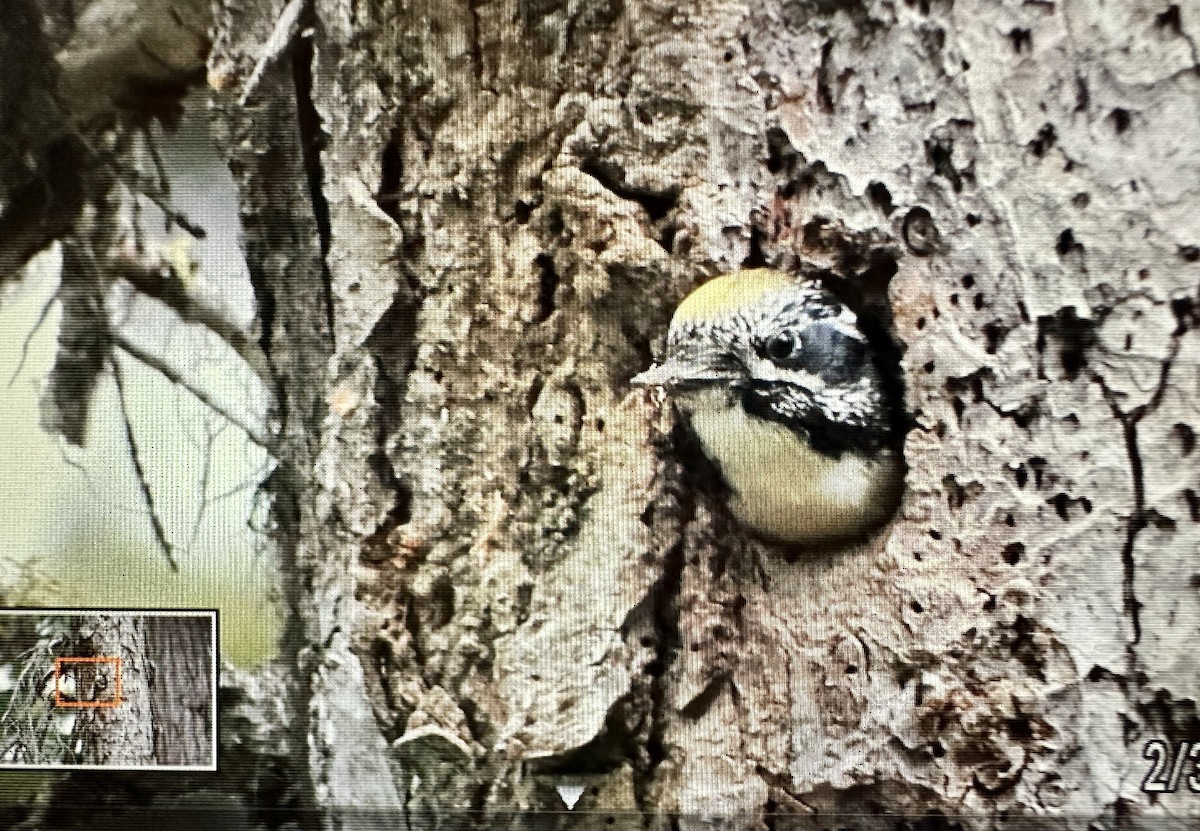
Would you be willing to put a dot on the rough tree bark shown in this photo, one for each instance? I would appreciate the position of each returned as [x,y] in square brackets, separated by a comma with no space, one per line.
[508,200]
[180,651]
[468,224]
[119,736]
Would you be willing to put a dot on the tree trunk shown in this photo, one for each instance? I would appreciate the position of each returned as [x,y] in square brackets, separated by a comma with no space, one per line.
[120,735]
[468,225]
[510,198]
[180,650]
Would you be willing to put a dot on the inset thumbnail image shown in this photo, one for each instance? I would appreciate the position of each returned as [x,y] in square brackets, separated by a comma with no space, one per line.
[108,689]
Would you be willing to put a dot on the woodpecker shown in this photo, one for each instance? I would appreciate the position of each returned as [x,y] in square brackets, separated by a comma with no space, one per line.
[786,396]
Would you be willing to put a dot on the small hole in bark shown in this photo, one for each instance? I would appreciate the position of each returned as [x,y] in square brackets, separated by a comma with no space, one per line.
[1081,200]
[994,333]
[1012,553]
[548,280]
[916,607]
[667,238]
[1020,729]
[1184,310]
[881,197]
[1038,465]
[1043,141]
[1066,243]
[1193,504]
[1074,335]
[1021,39]
[1121,119]
[441,603]
[522,211]
[920,323]
[968,281]
[1021,475]
[937,750]
[972,220]
[390,175]
[1060,501]
[1170,18]
[755,258]
[929,366]
[780,152]
[1186,437]
[920,233]
[935,534]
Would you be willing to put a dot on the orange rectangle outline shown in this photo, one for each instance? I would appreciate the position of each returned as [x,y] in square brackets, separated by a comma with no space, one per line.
[115,701]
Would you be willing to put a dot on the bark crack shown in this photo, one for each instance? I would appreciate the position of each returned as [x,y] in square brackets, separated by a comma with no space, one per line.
[1140,515]
[312,143]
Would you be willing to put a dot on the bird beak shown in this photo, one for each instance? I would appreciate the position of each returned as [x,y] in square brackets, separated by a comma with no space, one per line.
[663,375]
[672,374]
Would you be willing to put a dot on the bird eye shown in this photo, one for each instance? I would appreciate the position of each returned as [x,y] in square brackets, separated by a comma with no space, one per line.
[782,347]
[834,355]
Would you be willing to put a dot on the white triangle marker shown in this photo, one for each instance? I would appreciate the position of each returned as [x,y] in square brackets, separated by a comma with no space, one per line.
[570,795]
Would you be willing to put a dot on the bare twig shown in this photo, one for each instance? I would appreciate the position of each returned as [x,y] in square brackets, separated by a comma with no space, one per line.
[205,474]
[139,470]
[285,29]
[168,372]
[45,313]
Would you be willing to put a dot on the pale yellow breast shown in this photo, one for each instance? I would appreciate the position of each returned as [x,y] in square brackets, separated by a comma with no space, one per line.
[783,489]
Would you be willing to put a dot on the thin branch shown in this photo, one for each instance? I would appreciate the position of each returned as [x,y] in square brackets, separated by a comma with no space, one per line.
[177,217]
[45,313]
[136,182]
[172,294]
[205,473]
[168,372]
[281,36]
[139,470]
[160,168]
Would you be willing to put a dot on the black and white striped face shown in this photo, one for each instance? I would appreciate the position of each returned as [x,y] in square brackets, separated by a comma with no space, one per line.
[787,352]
